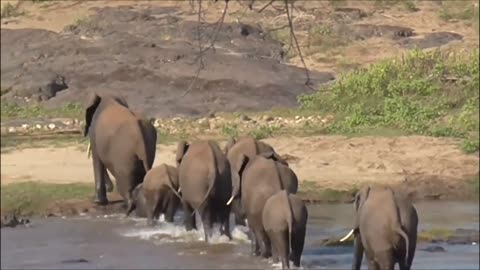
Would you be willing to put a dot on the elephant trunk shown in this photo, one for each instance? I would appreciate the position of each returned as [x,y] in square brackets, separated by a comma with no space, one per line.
[236,189]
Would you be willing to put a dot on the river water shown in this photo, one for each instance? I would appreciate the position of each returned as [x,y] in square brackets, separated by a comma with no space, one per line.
[116,242]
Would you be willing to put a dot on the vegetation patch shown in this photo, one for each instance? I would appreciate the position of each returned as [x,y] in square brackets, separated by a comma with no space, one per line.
[9,10]
[432,93]
[33,198]
[14,111]
[311,192]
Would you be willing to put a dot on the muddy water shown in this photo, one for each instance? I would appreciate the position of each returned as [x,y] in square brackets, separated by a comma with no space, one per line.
[113,242]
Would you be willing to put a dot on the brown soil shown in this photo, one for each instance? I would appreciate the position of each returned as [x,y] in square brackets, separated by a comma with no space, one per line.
[430,167]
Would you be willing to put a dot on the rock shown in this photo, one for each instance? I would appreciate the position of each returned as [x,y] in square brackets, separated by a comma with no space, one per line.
[38,126]
[75,121]
[51,126]
[211,114]
[434,249]
[25,127]
[67,122]
[156,123]
[243,117]
[12,129]
[267,118]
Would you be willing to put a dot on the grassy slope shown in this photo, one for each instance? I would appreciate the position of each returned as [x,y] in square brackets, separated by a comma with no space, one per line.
[432,93]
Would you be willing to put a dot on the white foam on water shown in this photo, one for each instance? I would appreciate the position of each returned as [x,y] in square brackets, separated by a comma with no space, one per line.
[279,265]
[165,232]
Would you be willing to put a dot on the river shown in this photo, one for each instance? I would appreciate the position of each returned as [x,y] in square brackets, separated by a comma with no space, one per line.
[116,242]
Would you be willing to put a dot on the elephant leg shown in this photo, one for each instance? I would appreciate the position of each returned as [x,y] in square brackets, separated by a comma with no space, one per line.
[263,242]
[357,252]
[207,220]
[280,242]
[225,221]
[171,207]
[275,251]
[99,172]
[188,219]
[385,260]
[298,242]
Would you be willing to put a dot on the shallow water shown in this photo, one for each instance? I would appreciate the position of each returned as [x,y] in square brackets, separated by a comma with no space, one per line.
[110,242]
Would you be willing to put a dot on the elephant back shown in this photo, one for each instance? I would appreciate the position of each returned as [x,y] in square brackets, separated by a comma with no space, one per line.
[261,173]
[288,177]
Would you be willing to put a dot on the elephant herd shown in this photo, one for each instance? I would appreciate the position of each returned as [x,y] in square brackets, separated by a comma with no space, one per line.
[247,178]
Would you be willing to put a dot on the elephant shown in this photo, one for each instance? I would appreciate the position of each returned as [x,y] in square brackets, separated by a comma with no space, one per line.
[250,147]
[285,218]
[385,228]
[157,194]
[205,184]
[255,181]
[120,142]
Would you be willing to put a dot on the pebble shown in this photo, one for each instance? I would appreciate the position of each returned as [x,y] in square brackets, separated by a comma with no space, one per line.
[51,126]
[243,117]
[38,126]
[12,130]
[156,123]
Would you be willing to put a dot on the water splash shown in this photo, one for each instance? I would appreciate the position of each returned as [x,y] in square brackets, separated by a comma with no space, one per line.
[165,232]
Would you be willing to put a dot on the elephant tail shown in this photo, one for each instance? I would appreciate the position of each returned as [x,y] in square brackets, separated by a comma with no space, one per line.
[402,233]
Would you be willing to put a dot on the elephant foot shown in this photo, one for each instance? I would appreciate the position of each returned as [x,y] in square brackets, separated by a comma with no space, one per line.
[101,200]
[266,254]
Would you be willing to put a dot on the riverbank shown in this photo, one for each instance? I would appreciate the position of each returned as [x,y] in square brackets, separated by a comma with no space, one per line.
[58,178]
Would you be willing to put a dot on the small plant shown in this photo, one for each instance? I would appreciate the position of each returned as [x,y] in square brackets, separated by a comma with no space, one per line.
[13,110]
[470,145]
[230,130]
[9,10]
[409,5]
[262,132]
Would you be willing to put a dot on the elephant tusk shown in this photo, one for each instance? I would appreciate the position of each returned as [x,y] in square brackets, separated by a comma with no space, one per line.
[179,190]
[230,201]
[89,150]
[347,236]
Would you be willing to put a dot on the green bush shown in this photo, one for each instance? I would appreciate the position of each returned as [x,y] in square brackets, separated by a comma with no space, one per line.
[428,93]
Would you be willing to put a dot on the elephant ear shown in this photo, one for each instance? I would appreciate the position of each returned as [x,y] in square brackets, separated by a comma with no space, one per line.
[240,164]
[93,101]
[121,100]
[182,148]
[230,143]
[360,199]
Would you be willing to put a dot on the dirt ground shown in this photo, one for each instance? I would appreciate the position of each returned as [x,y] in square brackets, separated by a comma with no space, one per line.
[432,167]
[58,51]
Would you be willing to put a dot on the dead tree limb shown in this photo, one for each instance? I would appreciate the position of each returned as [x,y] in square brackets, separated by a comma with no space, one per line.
[292,34]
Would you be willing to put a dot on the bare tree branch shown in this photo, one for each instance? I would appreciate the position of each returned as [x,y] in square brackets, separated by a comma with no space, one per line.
[264,7]
[201,48]
[292,34]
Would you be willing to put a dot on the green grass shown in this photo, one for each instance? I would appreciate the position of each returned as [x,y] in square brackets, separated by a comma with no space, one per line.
[427,93]
[31,198]
[13,110]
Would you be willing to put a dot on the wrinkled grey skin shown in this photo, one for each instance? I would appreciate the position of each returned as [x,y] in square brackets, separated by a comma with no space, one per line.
[157,194]
[285,221]
[204,177]
[258,179]
[235,150]
[385,228]
[121,143]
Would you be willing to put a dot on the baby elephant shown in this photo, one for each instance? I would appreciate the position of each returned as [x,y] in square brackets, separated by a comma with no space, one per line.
[157,194]
[285,220]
